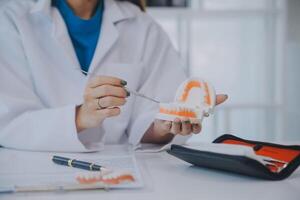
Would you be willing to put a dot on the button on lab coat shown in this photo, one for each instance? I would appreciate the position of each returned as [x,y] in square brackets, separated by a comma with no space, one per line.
[41,83]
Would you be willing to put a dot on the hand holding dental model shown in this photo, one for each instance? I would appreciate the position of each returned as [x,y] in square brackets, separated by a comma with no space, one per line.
[195,98]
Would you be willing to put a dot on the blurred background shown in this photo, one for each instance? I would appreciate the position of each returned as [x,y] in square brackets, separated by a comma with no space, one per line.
[247,49]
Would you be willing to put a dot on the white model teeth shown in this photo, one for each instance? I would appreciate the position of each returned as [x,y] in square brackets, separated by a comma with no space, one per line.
[99,176]
[115,175]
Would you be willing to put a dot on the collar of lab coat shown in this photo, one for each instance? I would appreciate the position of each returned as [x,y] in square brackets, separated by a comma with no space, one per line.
[111,7]
[113,14]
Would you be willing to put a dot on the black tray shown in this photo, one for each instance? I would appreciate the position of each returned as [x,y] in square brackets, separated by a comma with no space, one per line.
[235,164]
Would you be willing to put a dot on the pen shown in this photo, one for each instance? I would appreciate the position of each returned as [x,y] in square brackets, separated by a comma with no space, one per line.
[78,164]
[129,90]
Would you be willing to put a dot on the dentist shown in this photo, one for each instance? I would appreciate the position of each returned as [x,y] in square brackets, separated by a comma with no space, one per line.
[49,103]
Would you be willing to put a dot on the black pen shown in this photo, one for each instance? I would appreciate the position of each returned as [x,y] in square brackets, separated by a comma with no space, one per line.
[79,164]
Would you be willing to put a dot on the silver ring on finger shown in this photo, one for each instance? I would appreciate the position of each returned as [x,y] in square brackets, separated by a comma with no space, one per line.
[99,105]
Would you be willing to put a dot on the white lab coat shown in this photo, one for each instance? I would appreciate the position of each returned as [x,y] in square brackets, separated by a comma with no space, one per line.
[41,84]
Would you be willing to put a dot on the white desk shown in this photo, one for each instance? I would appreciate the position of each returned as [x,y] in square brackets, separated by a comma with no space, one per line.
[169,178]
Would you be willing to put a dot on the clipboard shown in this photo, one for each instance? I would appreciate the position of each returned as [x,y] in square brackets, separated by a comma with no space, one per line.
[35,171]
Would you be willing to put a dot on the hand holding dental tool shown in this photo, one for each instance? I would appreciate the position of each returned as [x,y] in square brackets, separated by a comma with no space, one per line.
[103,97]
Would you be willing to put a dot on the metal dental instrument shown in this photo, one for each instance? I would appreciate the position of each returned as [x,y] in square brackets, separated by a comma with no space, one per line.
[141,95]
[267,161]
[129,90]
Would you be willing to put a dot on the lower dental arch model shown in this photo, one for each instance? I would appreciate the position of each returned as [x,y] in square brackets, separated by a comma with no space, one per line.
[194,98]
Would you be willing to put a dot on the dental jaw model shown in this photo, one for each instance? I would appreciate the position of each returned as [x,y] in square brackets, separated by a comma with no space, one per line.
[194,98]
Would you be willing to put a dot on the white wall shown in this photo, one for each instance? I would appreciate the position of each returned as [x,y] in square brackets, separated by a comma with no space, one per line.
[237,45]
[293,71]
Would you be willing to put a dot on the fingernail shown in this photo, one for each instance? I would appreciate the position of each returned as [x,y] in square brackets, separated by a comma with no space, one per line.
[187,121]
[127,93]
[123,82]
[226,96]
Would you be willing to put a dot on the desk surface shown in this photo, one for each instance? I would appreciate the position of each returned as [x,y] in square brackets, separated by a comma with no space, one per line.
[166,177]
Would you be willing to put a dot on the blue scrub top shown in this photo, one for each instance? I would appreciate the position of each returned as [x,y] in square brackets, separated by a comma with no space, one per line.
[84,34]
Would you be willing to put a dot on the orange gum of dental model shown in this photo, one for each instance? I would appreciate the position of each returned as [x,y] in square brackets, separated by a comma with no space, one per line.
[110,181]
[189,114]
[195,84]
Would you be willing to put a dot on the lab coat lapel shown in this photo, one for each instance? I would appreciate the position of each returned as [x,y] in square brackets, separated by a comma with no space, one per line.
[109,32]
[108,37]
[59,32]
[62,35]
[42,6]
